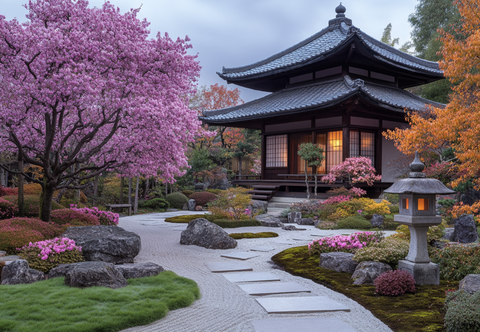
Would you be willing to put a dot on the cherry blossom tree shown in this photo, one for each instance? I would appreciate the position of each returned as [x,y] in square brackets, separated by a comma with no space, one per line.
[353,170]
[84,90]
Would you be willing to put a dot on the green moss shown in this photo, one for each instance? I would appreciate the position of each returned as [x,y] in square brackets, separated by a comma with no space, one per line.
[237,236]
[224,223]
[422,311]
[184,219]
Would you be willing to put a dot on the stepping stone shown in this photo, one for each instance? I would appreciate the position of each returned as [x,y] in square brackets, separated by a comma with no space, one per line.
[9,258]
[263,249]
[273,288]
[301,324]
[216,267]
[251,276]
[299,305]
[240,255]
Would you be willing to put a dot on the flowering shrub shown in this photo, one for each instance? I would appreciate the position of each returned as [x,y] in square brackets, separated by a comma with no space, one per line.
[104,217]
[203,197]
[31,203]
[337,200]
[6,191]
[7,209]
[17,232]
[73,217]
[353,170]
[256,167]
[371,207]
[45,255]
[231,203]
[394,283]
[345,243]
[389,251]
[456,261]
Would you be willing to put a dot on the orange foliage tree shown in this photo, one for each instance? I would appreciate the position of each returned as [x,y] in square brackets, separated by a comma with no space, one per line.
[458,124]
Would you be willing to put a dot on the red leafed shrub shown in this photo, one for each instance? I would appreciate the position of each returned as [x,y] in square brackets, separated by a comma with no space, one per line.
[74,218]
[32,204]
[7,209]
[203,197]
[394,283]
[5,191]
[17,232]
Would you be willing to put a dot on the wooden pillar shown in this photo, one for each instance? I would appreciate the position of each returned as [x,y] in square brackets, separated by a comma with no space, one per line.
[378,149]
[346,136]
[263,152]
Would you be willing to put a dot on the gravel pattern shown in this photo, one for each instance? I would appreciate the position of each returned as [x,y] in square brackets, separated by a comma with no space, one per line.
[223,306]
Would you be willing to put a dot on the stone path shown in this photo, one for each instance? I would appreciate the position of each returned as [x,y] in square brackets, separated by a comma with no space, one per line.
[224,306]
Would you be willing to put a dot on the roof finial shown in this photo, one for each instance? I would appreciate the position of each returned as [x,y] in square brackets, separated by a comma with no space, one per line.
[340,10]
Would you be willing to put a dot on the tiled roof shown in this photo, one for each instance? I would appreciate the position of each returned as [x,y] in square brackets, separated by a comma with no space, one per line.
[318,95]
[320,45]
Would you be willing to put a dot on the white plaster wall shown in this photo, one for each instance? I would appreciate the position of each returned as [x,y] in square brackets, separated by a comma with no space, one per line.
[392,160]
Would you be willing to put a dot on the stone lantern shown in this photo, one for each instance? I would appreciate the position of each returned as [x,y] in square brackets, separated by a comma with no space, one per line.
[417,196]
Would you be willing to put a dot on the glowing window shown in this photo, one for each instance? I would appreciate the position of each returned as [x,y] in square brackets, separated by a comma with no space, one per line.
[405,203]
[422,204]
[276,151]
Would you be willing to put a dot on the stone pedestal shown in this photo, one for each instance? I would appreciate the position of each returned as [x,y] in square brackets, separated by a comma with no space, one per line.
[423,273]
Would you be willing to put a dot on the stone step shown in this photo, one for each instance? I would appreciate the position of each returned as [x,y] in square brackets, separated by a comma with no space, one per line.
[300,305]
[278,205]
[260,197]
[301,324]
[273,288]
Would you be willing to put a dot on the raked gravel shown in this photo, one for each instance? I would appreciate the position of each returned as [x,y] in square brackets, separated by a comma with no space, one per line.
[223,306]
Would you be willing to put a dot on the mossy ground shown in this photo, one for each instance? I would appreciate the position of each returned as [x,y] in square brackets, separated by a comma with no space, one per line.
[422,311]
[238,236]
[224,223]
[52,306]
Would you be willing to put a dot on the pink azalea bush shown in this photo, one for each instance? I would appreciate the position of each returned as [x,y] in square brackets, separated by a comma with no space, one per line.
[104,217]
[353,170]
[344,243]
[7,209]
[45,255]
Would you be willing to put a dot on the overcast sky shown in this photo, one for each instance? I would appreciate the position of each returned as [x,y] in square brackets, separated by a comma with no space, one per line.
[234,33]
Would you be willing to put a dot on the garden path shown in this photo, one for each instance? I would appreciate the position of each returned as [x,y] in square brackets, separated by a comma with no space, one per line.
[224,306]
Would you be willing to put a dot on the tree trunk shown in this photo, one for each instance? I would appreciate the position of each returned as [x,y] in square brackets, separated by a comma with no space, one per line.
[135,208]
[78,191]
[60,195]
[46,200]
[315,169]
[146,189]
[129,190]
[166,189]
[95,190]
[21,203]
[2,177]
[306,181]
[240,167]
[122,183]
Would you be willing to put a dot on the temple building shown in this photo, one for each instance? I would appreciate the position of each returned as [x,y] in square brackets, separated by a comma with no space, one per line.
[339,89]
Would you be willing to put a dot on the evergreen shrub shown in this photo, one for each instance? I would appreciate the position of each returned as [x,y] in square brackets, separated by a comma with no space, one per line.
[394,283]
[203,197]
[389,251]
[462,312]
[156,204]
[187,193]
[354,222]
[456,261]
[73,217]
[31,204]
[176,200]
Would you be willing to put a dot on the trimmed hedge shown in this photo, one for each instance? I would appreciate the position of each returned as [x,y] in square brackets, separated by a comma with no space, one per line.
[156,203]
[203,197]
[176,200]
[238,236]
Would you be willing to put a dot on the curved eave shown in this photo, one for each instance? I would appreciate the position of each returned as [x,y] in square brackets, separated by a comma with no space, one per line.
[419,186]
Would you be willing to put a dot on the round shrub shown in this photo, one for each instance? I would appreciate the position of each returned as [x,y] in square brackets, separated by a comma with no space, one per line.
[73,217]
[45,255]
[394,283]
[176,200]
[157,203]
[354,222]
[389,251]
[32,204]
[18,232]
[203,197]
[32,189]
[187,192]
[7,209]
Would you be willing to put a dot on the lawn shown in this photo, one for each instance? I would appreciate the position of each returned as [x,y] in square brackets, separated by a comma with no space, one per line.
[51,306]
[422,311]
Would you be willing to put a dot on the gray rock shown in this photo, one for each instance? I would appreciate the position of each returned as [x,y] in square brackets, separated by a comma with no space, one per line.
[367,272]
[289,227]
[377,221]
[110,244]
[283,220]
[203,233]
[59,270]
[256,206]
[306,221]
[465,229]
[90,274]
[221,180]
[268,220]
[185,206]
[470,197]
[470,284]
[199,186]
[294,217]
[448,234]
[139,270]
[192,204]
[338,261]
[18,272]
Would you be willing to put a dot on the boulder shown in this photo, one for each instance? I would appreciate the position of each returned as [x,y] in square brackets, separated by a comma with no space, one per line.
[18,272]
[465,229]
[338,261]
[292,228]
[191,204]
[294,217]
[110,244]
[470,197]
[139,270]
[89,274]
[470,284]
[306,221]
[203,233]
[221,180]
[59,271]
[367,272]
[256,207]
[198,208]
[185,206]
[448,234]
[199,186]
[268,220]
[377,221]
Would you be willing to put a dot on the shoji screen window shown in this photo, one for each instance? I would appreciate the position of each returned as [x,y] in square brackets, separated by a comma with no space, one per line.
[334,149]
[362,144]
[276,151]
